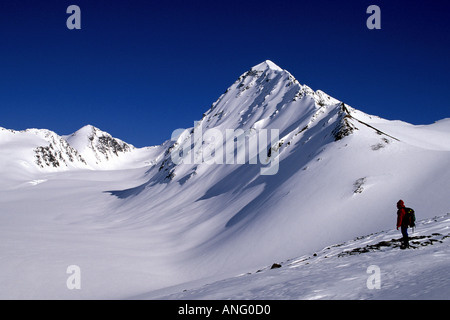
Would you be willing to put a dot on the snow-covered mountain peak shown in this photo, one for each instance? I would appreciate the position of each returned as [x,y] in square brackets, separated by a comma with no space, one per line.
[258,94]
[96,145]
[43,149]
[267,64]
[86,130]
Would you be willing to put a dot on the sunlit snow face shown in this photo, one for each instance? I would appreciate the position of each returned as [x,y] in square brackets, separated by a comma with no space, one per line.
[213,147]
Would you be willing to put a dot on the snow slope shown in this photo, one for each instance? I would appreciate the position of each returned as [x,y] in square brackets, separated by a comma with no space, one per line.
[367,267]
[140,220]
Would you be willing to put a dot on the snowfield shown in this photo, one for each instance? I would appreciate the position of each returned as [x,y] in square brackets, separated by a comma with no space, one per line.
[139,225]
[368,267]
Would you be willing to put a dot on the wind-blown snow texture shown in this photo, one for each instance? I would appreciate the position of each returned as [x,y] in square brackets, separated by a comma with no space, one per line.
[139,224]
[344,271]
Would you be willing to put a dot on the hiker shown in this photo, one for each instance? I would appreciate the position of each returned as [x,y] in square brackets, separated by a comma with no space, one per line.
[402,223]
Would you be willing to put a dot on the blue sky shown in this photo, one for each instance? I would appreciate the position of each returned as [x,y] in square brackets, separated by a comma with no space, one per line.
[140,69]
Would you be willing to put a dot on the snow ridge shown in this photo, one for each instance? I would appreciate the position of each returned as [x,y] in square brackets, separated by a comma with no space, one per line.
[87,148]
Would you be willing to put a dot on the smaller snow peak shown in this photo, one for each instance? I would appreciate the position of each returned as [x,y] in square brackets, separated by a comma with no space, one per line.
[97,146]
[87,130]
[90,127]
[263,66]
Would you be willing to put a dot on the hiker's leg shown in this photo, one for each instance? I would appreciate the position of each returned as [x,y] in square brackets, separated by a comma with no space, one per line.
[405,236]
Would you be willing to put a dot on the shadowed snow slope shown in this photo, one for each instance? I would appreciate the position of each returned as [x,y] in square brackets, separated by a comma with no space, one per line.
[316,171]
